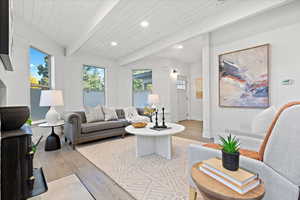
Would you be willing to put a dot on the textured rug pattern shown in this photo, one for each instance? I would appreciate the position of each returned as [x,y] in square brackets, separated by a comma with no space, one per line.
[149,177]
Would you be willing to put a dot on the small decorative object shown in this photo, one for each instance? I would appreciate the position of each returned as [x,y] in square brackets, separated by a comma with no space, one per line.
[156,120]
[52,98]
[139,124]
[244,78]
[163,119]
[230,152]
[163,126]
[149,112]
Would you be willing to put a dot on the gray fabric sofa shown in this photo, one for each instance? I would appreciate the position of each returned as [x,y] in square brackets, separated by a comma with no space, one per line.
[77,130]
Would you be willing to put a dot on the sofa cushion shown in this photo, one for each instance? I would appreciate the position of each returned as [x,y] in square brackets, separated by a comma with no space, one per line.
[109,113]
[103,125]
[120,113]
[94,114]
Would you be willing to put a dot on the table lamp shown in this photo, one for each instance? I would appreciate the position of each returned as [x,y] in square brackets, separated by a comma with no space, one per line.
[153,100]
[52,98]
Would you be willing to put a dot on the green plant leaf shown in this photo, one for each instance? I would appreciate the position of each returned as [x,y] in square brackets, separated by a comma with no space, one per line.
[230,144]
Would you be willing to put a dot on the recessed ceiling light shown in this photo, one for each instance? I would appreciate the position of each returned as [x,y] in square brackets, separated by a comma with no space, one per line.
[113,43]
[178,46]
[144,24]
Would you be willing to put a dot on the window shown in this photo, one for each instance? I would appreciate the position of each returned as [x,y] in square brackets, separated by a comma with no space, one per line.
[142,87]
[93,85]
[181,84]
[39,80]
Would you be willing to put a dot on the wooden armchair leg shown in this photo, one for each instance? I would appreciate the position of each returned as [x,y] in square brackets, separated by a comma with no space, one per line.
[193,193]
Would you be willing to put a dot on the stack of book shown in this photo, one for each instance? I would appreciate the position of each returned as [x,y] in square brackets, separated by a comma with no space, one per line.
[241,181]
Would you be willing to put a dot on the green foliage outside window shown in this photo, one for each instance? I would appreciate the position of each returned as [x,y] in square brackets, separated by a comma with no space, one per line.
[93,79]
[142,80]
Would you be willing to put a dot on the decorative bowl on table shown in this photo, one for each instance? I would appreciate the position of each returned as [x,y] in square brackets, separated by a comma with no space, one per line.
[139,124]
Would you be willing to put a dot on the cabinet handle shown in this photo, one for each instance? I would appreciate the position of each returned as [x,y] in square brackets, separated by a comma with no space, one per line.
[31,178]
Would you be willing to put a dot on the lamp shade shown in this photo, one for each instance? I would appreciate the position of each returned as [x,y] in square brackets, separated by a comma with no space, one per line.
[51,98]
[153,99]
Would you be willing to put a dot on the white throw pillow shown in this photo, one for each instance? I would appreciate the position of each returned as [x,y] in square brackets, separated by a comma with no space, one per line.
[130,112]
[109,113]
[263,120]
[94,114]
[132,115]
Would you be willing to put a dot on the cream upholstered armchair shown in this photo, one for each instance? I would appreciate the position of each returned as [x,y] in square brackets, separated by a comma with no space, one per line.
[259,127]
[278,159]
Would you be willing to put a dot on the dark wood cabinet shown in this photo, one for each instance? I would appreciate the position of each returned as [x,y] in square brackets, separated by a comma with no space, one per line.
[16,165]
[6,34]
[19,180]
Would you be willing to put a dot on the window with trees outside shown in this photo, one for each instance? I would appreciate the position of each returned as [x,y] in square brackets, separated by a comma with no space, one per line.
[142,87]
[93,86]
[40,64]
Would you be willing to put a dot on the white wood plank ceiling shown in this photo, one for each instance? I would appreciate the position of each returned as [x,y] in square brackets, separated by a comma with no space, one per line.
[91,25]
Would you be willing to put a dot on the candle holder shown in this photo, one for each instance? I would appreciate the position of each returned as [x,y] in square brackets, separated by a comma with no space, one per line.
[157,126]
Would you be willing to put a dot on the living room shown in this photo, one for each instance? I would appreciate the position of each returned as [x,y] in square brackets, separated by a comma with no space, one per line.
[134,56]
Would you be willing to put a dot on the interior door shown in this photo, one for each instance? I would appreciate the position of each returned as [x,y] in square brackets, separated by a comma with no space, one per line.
[182,99]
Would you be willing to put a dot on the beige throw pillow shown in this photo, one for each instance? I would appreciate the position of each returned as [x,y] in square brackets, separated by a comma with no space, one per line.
[94,114]
[109,113]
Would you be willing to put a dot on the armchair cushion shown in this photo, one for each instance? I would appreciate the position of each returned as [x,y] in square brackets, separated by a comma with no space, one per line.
[263,120]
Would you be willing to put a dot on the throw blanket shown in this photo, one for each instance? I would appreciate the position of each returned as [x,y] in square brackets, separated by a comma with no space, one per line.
[132,115]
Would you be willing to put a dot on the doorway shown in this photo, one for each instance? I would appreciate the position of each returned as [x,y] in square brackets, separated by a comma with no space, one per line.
[182,99]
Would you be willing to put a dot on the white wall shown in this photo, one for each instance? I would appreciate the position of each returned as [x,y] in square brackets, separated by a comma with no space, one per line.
[162,81]
[73,80]
[67,70]
[281,29]
[196,105]
[17,82]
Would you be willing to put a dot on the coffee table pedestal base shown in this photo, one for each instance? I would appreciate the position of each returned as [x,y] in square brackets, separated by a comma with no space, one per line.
[161,145]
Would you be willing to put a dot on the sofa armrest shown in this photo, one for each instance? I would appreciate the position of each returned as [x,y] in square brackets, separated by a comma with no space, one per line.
[72,127]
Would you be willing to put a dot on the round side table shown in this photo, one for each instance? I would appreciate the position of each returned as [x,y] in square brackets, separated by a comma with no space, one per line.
[211,189]
[53,140]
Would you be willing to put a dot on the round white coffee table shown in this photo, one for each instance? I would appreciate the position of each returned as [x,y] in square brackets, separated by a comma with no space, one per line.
[149,141]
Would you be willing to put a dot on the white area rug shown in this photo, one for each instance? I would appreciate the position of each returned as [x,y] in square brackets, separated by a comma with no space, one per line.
[149,177]
[66,188]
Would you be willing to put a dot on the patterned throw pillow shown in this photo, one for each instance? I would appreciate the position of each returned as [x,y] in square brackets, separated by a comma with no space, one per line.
[109,113]
[94,114]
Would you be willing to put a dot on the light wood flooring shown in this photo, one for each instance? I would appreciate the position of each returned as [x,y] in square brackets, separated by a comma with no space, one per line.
[64,162]
[193,130]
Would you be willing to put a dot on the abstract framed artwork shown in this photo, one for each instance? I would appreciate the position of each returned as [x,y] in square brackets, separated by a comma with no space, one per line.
[244,78]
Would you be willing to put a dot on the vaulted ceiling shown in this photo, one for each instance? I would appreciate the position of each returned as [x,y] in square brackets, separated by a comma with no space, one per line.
[91,25]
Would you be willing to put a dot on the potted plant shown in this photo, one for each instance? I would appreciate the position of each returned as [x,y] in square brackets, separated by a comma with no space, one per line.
[230,152]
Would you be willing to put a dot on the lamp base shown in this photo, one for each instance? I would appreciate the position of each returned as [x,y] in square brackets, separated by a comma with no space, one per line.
[52,141]
[52,116]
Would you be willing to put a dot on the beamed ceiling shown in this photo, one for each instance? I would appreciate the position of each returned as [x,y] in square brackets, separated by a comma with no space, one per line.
[90,25]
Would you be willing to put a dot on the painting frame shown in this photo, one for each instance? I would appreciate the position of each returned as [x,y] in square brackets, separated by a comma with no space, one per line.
[267,59]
